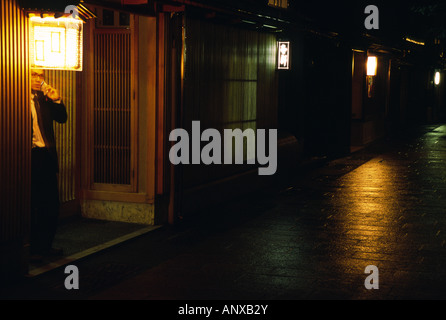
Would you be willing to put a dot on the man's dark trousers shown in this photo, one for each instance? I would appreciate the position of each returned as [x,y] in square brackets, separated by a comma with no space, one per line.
[44,200]
[44,169]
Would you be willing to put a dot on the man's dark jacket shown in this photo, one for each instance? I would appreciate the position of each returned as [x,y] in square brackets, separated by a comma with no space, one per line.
[47,112]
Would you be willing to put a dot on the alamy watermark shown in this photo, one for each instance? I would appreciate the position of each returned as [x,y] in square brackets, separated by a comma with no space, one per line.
[372,281]
[73,10]
[72,281]
[372,21]
[188,150]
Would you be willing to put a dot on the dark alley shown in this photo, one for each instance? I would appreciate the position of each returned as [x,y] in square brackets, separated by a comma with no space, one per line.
[309,239]
[222,150]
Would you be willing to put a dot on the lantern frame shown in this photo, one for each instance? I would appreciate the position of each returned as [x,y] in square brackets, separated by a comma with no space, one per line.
[283,57]
[55,43]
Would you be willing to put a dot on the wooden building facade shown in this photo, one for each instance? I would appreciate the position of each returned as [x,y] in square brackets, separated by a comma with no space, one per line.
[160,65]
[15,128]
[145,73]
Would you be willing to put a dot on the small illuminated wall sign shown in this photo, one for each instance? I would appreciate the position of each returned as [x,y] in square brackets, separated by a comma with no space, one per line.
[284,55]
[55,43]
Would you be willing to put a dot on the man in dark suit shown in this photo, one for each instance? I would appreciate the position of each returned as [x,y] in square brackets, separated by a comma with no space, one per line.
[46,107]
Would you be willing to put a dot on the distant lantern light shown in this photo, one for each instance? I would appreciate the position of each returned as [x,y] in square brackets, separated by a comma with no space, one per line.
[420,43]
[55,43]
[284,55]
[437,78]
[372,65]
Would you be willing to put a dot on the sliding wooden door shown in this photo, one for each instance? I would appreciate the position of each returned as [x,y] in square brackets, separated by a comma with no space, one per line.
[112,115]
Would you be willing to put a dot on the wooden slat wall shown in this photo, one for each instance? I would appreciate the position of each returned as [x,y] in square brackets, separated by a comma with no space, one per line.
[112,107]
[230,82]
[15,123]
[65,83]
[267,84]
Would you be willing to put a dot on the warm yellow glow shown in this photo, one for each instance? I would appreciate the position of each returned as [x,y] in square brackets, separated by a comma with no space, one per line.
[40,50]
[414,41]
[367,210]
[437,78]
[372,65]
[56,43]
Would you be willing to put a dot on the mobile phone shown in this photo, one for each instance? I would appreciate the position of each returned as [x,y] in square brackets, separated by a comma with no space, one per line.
[44,87]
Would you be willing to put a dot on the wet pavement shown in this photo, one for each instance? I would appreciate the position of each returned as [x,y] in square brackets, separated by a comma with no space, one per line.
[309,238]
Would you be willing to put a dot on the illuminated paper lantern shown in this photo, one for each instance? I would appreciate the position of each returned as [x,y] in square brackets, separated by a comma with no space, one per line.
[55,43]
[372,65]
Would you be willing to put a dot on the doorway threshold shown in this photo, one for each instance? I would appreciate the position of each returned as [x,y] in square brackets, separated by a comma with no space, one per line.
[84,237]
[354,149]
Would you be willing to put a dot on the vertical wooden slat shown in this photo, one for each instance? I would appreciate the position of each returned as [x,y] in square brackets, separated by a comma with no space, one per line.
[125,56]
[101,104]
[118,83]
[115,129]
[103,114]
[15,139]
[119,156]
[109,123]
[160,110]
[111,164]
[111,142]
[65,83]
[15,155]
[98,99]
[107,113]
[231,83]
[125,129]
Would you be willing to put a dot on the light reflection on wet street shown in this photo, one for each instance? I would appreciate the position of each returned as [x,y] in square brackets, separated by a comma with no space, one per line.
[389,212]
[384,206]
[310,239]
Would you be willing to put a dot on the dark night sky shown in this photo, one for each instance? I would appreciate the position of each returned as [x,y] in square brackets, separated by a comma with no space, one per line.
[423,19]
[397,18]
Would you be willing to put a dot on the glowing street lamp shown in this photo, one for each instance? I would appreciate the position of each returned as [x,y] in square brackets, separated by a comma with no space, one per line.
[55,43]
